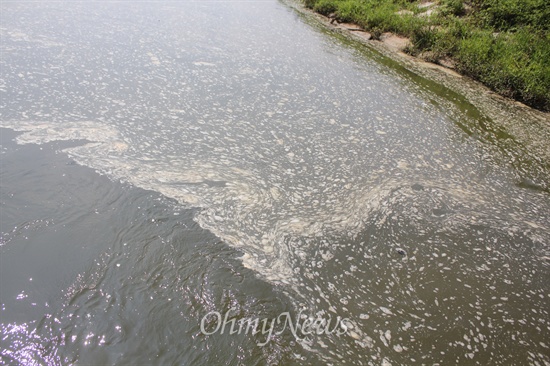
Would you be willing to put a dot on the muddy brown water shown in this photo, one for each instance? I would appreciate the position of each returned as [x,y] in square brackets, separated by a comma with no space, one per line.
[165,162]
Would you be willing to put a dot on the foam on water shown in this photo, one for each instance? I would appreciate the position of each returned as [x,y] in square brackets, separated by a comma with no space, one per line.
[292,200]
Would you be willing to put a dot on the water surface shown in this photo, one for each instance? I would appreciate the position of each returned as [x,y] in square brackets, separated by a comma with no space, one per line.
[243,158]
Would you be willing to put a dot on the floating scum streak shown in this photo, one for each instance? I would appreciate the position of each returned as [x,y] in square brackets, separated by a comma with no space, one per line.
[278,189]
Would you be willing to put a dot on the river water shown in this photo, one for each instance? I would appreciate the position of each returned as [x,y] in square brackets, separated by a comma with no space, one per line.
[167,162]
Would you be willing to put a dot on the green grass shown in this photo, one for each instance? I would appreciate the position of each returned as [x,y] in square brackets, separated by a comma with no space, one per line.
[504,44]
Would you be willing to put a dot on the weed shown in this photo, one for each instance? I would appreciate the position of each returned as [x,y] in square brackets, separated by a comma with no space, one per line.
[505,44]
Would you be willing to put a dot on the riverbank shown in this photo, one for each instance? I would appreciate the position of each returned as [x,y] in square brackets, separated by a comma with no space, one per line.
[504,45]
[529,127]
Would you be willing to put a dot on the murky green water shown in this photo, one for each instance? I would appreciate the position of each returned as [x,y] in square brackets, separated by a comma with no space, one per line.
[245,162]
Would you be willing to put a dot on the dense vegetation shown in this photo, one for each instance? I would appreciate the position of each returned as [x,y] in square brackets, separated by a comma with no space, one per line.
[505,44]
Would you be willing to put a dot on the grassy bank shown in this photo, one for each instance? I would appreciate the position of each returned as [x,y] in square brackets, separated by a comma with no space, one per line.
[505,44]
